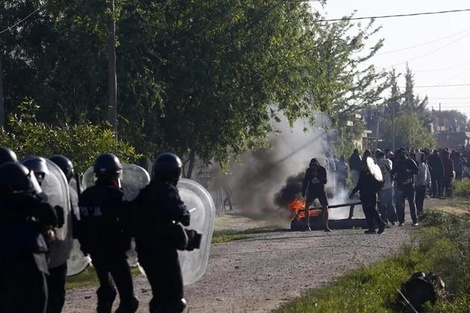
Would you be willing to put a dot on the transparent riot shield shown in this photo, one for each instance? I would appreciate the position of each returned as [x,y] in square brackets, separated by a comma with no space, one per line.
[133,179]
[56,191]
[201,205]
[76,262]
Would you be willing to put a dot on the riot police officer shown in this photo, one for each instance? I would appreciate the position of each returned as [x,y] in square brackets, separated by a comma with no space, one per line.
[25,225]
[7,155]
[159,212]
[103,233]
[65,165]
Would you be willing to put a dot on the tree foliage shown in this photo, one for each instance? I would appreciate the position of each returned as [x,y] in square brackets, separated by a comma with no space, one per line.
[81,143]
[204,79]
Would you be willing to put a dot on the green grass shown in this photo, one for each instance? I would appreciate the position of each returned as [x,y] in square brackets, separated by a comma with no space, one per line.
[88,278]
[442,246]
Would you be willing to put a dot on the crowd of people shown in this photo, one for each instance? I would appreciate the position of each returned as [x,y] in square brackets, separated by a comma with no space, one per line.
[33,258]
[407,176]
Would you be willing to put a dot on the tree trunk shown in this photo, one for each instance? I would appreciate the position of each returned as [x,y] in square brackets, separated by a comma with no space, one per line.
[2,103]
[192,164]
[112,76]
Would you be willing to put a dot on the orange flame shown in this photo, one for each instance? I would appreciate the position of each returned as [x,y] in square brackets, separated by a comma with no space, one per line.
[297,208]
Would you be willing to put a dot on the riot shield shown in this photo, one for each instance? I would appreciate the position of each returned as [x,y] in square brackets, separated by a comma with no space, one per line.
[76,262]
[56,190]
[133,179]
[201,205]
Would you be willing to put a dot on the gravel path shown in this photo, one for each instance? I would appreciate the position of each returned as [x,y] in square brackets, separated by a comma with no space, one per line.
[259,273]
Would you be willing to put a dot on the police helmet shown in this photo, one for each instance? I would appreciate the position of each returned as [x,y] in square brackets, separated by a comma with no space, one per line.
[167,167]
[65,165]
[6,155]
[107,166]
[38,165]
[17,178]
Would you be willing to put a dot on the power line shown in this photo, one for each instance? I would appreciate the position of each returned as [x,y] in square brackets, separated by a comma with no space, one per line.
[423,44]
[397,15]
[439,86]
[25,18]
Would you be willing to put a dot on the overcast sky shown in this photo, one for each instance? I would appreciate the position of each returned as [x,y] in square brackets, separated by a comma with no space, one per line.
[436,46]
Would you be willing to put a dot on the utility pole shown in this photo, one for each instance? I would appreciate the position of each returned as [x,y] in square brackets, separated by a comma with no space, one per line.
[2,103]
[112,76]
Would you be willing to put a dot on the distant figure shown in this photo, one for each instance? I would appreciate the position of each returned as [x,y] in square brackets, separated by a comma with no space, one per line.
[341,172]
[422,180]
[387,210]
[404,170]
[314,188]
[355,164]
[368,194]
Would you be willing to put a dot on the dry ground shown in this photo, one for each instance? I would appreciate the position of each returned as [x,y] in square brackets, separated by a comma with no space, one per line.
[259,273]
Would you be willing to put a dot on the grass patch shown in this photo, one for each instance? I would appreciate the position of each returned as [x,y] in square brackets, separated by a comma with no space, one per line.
[224,236]
[88,278]
[442,246]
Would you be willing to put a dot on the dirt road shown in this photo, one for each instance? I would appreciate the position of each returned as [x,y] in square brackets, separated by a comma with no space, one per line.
[259,273]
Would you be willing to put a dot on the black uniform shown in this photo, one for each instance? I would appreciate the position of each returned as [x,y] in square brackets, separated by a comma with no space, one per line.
[24,221]
[368,198]
[314,183]
[158,236]
[103,233]
[404,170]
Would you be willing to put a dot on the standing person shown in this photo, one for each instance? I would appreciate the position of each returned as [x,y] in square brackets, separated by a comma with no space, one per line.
[104,234]
[25,225]
[404,170]
[355,165]
[459,164]
[387,209]
[313,185]
[341,172]
[449,173]
[422,180]
[159,213]
[437,174]
[368,193]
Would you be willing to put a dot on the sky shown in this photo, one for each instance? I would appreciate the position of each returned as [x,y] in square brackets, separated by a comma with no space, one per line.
[435,46]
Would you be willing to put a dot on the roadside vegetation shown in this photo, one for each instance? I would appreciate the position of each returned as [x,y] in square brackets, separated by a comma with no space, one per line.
[441,246]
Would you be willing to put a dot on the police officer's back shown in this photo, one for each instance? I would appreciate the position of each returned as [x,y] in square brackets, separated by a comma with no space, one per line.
[25,225]
[103,232]
[158,235]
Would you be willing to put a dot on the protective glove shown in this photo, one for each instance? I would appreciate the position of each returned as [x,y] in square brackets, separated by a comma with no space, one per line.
[194,239]
[178,236]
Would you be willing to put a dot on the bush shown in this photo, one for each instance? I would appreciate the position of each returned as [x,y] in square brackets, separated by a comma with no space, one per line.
[462,188]
[81,143]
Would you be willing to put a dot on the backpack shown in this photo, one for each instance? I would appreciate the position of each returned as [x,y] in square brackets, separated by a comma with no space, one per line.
[376,177]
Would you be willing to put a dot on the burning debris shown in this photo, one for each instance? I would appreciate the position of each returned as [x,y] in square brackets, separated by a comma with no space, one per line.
[289,198]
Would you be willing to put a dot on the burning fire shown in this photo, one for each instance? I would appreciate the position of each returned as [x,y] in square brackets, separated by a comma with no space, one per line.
[297,208]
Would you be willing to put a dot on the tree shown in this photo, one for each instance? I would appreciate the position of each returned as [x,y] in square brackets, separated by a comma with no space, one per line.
[81,143]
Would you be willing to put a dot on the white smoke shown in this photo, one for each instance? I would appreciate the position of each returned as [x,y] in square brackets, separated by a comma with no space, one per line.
[262,173]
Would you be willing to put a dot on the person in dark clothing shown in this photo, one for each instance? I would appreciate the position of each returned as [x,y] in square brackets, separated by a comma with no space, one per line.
[159,213]
[449,173]
[355,165]
[368,195]
[404,170]
[436,168]
[104,233]
[26,224]
[314,187]
[341,172]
